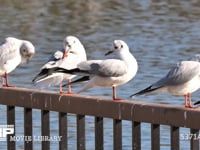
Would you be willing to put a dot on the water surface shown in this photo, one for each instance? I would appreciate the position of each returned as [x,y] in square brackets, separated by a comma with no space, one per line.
[159,34]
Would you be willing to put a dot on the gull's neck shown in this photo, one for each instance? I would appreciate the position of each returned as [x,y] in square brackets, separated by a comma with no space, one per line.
[130,61]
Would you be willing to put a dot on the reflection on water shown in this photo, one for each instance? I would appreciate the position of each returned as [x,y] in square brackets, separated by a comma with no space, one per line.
[159,33]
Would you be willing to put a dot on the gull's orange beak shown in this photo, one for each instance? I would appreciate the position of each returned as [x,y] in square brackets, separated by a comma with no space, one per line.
[67,49]
[65,53]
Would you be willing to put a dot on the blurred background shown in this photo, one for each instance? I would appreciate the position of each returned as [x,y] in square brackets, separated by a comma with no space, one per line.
[159,34]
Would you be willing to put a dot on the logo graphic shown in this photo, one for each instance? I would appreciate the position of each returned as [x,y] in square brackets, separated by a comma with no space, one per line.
[5,130]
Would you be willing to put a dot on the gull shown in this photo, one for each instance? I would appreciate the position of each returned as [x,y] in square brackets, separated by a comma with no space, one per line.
[68,58]
[109,72]
[195,57]
[182,80]
[13,52]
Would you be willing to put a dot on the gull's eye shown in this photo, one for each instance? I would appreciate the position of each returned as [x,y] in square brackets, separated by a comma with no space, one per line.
[115,47]
[66,43]
[71,52]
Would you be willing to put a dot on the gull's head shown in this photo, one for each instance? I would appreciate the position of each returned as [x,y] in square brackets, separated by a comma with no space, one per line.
[196,57]
[12,39]
[27,50]
[72,45]
[119,47]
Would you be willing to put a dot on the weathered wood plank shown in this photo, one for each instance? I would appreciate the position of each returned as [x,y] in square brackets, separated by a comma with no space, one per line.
[11,145]
[122,109]
[63,131]
[136,135]
[99,136]
[194,143]
[45,128]
[117,133]
[80,132]
[28,130]
[155,136]
[175,142]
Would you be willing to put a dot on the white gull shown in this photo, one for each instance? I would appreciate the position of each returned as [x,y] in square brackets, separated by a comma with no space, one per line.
[182,80]
[68,58]
[109,72]
[13,52]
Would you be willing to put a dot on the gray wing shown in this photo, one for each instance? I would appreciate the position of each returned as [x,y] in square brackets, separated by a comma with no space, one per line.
[104,68]
[58,55]
[54,60]
[180,74]
[43,75]
[9,49]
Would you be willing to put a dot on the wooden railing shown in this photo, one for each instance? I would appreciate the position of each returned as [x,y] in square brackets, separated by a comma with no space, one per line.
[133,111]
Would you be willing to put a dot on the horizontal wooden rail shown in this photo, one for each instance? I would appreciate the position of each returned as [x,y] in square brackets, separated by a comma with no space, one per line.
[137,111]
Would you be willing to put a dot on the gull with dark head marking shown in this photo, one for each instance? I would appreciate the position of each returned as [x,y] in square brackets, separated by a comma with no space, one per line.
[13,52]
[195,57]
[182,80]
[109,72]
[68,58]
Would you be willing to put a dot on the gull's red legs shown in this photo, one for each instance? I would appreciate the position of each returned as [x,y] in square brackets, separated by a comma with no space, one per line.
[69,88]
[115,93]
[187,101]
[6,79]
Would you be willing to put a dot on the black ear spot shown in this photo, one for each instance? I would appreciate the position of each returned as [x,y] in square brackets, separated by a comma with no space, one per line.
[121,46]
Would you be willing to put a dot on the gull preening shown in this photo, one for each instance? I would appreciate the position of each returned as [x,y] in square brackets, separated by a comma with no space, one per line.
[13,52]
[68,58]
[182,80]
[109,72]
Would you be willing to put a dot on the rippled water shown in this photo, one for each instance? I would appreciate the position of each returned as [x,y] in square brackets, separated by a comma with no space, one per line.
[158,33]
